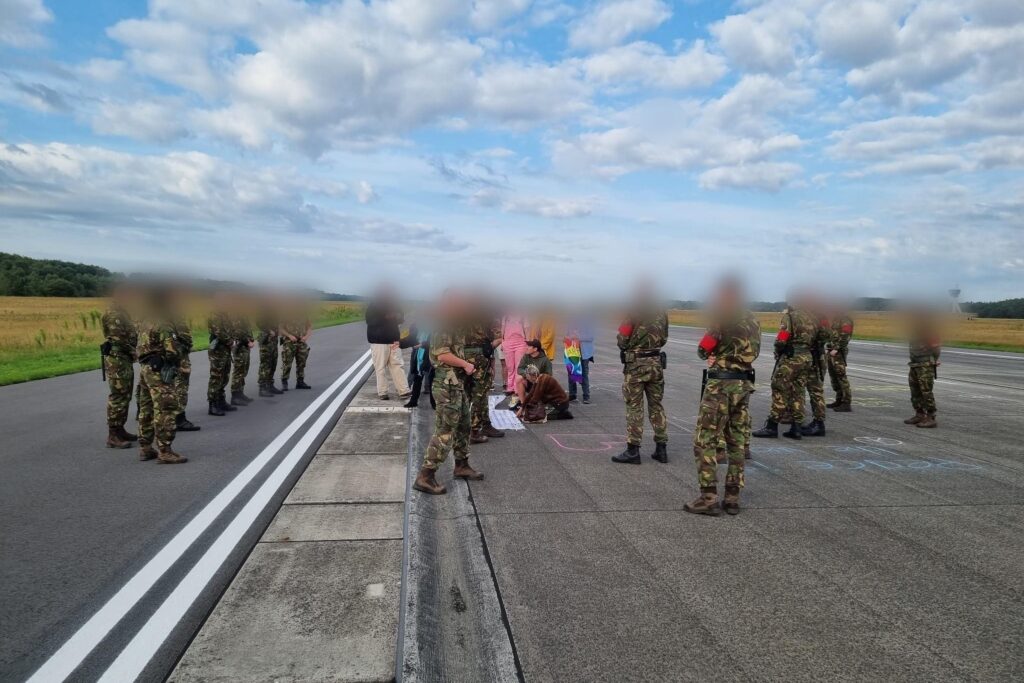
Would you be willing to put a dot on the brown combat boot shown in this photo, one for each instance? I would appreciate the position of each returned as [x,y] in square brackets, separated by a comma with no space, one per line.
[114,439]
[426,483]
[491,432]
[706,504]
[464,471]
[843,408]
[928,422]
[126,436]
[731,500]
[476,436]
[169,457]
[146,452]
[917,418]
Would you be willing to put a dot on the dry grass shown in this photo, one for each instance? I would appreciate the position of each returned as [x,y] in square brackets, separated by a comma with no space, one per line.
[983,333]
[48,336]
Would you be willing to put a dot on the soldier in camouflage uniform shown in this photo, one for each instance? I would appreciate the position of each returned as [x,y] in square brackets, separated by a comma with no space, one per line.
[241,356]
[925,348]
[640,339]
[453,416]
[793,367]
[222,335]
[118,353]
[160,354]
[184,378]
[838,348]
[816,379]
[730,346]
[483,335]
[295,347]
[268,337]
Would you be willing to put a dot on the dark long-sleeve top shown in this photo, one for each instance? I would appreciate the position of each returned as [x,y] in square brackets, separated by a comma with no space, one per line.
[382,321]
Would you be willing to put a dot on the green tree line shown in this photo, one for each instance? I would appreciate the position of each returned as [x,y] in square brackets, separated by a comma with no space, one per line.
[23,276]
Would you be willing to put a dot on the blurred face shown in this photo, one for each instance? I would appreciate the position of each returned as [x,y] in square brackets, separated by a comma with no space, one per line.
[727,298]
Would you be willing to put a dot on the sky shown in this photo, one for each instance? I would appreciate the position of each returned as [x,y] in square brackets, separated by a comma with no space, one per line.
[869,146]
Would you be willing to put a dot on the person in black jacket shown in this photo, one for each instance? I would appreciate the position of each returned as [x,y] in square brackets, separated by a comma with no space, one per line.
[383,317]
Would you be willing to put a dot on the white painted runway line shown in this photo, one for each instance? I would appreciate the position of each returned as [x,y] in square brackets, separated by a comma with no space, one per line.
[137,654]
[72,653]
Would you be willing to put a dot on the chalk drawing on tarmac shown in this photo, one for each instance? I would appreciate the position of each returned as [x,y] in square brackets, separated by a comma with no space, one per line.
[587,443]
[872,403]
[879,465]
[878,440]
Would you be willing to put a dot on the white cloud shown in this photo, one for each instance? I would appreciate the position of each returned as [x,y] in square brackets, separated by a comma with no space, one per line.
[155,121]
[365,192]
[512,92]
[858,32]
[20,21]
[735,130]
[764,175]
[612,21]
[766,38]
[646,64]
[545,207]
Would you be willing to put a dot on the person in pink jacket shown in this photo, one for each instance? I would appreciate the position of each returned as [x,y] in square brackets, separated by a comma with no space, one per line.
[513,345]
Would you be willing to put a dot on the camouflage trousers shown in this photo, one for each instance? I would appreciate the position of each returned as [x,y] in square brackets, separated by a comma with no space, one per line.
[268,361]
[723,416]
[181,383]
[816,389]
[837,375]
[922,385]
[120,382]
[220,371]
[297,351]
[789,382]
[640,381]
[452,422]
[158,408]
[483,379]
[240,359]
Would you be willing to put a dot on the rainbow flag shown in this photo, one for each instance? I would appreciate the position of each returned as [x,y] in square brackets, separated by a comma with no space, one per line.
[573,359]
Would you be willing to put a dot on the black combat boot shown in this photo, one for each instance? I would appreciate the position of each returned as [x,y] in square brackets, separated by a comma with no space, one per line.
[274,390]
[127,436]
[215,409]
[226,407]
[184,425]
[630,456]
[265,391]
[814,428]
[301,384]
[238,398]
[491,433]
[660,453]
[834,403]
[769,431]
[843,408]
[114,439]
[476,437]
[794,432]
[284,385]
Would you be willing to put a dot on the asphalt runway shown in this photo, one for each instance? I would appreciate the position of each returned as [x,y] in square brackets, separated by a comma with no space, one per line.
[880,552]
[81,521]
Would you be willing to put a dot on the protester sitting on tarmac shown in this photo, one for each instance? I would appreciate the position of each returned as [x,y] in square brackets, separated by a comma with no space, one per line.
[545,391]
[534,356]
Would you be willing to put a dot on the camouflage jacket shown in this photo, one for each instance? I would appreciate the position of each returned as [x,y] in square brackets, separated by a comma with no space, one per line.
[157,338]
[295,326]
[799,328]
[823,336]
[482,331]
[184,332]
[924,348]
[241,329]
[222,329]
[734,342]
[643,332]
[450,340]
[842,330]
[120,331]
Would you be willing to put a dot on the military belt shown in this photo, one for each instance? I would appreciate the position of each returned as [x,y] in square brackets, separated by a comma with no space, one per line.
[647,354]
[731,374]
[801,348]
[473,350]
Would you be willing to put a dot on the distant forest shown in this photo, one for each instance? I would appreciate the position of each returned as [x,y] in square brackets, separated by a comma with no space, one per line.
[23,276]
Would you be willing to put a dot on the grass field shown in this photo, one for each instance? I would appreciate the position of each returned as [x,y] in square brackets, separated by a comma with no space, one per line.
[979,333]
[49,336]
